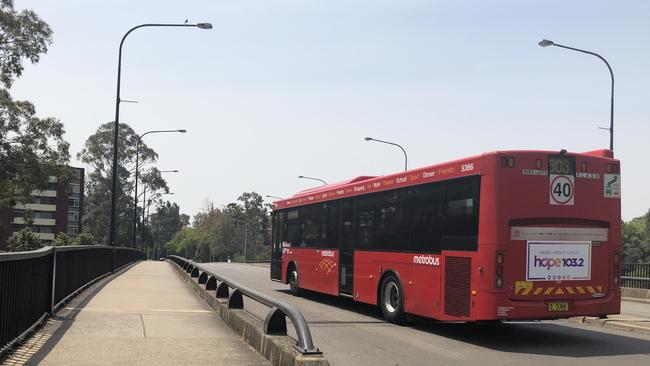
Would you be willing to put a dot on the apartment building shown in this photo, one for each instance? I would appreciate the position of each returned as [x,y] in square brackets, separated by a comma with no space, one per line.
[58,208]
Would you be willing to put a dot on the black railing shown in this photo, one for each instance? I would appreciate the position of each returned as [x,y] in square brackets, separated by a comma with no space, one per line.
[275,322]
[635,275]
[37,283]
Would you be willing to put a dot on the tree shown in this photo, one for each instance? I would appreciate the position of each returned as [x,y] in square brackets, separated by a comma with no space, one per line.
[23,35]
[251,219]
[24,240]
[31,149]
[61,240]
[636,239]
[84,238]
[184,243]
[165,223]
[98,153]
[219,234]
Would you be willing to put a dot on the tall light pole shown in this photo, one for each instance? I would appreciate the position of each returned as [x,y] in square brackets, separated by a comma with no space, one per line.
[137,157]
[406,158]
[117,119]
[318,179]
[546,43]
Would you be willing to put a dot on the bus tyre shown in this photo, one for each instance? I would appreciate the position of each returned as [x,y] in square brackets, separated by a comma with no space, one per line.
[293,281]
[391,300]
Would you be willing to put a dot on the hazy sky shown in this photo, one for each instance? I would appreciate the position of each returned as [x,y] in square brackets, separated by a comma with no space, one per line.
[285,88]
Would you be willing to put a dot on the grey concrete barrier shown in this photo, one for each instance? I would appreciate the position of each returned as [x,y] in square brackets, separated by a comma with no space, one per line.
[268,337]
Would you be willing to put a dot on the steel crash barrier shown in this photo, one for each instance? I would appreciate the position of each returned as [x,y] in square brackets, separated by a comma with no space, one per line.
[635,275]
[35,284]
[233,293]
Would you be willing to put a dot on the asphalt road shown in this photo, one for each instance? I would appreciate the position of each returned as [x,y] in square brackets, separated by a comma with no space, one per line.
[350,333]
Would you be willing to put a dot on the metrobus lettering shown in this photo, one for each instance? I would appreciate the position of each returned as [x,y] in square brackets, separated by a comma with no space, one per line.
[426,259]
[327,253]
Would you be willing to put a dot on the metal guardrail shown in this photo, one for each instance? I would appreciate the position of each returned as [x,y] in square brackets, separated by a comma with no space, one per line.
[275,322]
[635,275]
[37,283]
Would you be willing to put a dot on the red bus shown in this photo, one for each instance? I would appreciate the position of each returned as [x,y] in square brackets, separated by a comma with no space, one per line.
[506,235]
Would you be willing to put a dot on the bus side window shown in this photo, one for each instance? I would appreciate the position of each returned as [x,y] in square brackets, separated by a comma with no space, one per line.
[426,218]
[460,231]
[314,233]
[365,225]
[333,218]
[293,228]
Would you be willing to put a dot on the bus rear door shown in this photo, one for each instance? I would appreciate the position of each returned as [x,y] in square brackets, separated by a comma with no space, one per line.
[346,253]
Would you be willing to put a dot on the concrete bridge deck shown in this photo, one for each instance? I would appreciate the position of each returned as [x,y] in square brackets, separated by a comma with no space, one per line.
[145,316]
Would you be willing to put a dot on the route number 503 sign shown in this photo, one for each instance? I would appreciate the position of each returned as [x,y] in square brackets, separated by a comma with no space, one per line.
[561,189]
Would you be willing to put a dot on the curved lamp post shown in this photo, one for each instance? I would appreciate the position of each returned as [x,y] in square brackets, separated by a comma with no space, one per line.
[117,117]
[276,197]
[406,159]
[318,179]
[546,43]
[137,157]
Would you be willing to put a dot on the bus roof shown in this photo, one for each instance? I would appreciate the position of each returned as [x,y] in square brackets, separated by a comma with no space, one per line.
[432,173]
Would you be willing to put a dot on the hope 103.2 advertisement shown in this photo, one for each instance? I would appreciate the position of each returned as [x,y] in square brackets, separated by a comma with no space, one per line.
[558,261]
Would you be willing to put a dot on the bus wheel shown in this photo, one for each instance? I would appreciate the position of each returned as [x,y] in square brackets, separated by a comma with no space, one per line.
[391,300]
[293,281]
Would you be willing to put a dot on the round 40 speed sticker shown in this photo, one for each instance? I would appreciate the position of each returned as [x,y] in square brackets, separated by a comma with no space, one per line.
[561,189]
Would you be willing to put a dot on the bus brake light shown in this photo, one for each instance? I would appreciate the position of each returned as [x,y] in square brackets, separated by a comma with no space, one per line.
[499,270]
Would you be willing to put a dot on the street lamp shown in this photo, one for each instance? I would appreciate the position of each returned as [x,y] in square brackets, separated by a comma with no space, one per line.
[406,159]
[117,119]
[137,157]
[318,179]
[276,197]
[546,43]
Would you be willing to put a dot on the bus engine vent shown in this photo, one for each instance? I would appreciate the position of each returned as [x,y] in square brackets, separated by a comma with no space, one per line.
[457,285]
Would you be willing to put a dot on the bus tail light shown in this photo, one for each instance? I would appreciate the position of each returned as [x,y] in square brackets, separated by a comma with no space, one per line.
[617,269]
[499,270]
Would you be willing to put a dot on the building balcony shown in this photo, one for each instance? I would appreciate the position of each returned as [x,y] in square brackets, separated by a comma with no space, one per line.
[45,236]
[46,193]
[40,222]
[35,207]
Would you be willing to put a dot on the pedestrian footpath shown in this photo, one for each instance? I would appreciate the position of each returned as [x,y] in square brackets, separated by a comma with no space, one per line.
[145,316]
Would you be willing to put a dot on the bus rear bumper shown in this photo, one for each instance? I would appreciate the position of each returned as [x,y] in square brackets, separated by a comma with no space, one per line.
[510,309]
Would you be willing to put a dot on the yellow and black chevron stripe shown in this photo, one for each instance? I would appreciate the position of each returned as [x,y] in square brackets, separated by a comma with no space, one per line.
[557,290]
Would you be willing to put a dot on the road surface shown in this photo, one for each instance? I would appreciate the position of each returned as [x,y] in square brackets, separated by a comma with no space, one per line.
[354,334]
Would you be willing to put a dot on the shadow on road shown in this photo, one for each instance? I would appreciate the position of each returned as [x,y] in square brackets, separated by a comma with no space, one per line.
[542,338]
[341,303]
